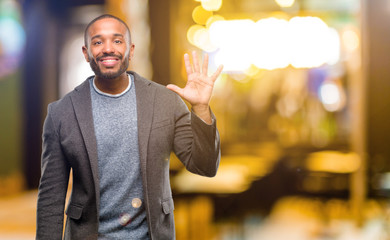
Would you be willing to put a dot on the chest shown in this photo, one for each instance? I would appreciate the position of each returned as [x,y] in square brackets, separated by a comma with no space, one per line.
[115,120]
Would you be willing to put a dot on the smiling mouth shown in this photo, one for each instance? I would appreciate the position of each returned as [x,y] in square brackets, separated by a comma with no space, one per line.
[108,62]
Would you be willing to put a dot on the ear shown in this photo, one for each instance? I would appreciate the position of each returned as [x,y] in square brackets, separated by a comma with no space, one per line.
[85,52]
[132,46]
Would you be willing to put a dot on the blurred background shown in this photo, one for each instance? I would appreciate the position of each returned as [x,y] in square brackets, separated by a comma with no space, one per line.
[301,106]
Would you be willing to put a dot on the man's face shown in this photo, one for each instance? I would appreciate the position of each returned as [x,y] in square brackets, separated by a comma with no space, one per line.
[109,49]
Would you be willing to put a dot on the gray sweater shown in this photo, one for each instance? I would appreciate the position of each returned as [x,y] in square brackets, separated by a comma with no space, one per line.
[122,212]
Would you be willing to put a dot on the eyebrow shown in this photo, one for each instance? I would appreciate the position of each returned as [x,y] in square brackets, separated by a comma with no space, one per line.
[115,35]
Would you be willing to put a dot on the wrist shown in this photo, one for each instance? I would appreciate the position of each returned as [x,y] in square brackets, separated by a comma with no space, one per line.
[201,108]
[203,112]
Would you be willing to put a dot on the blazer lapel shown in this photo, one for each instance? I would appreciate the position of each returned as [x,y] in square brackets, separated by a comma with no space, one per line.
[145,94]
[82,105]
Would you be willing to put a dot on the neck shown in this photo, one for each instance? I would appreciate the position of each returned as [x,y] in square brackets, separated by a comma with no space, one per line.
[114,85]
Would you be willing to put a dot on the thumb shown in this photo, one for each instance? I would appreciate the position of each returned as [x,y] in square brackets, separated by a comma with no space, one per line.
[175,89]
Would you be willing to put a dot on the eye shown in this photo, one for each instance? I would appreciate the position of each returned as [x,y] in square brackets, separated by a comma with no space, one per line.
[117,41]
[97,43]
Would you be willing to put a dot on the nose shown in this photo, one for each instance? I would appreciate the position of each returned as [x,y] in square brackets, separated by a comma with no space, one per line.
[108,48]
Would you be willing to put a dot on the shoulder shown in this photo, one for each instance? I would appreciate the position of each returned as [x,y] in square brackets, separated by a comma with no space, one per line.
[162,97]
[64,104]
[161,90]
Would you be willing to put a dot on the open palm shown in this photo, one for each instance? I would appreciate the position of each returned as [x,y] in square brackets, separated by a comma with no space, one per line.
[199,87]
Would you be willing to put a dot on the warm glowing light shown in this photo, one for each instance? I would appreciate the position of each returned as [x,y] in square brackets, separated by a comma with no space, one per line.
[329,94]
[285,3]
[202,40]
[201,37]
[229,179]
[198,36]
[332,96]
[333,45]
[200,15]
[303,42]
[235,175]
[312,42]
[212,5]
[269,44]
[192,32]
[252,71]
[234,44]
[332,161]
[213,19]
[350,40]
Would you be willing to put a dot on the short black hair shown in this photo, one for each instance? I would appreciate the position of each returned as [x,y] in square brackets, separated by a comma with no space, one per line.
[103,17]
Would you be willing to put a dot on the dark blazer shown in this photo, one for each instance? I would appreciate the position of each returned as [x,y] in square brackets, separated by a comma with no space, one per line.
[164,125]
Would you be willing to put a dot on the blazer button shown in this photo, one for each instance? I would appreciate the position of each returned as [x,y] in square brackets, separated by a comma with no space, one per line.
[124,219]
[136,203]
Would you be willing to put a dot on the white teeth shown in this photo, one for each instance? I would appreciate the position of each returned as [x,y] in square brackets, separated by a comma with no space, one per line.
[108,60]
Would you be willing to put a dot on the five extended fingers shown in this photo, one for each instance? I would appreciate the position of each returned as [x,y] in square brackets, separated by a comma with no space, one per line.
[196,67]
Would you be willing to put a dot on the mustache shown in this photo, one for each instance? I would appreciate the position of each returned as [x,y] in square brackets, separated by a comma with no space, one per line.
[109,55]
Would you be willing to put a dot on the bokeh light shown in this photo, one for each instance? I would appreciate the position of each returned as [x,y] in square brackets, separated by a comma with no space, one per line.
[212,5]
[333,161]
[12,37]
[285,3]
[213,19]
[312,42]
[234,43]
[270,49]
[198,35]
[332,96]
[192,32]
[350,40]
[270,43]
[200,15]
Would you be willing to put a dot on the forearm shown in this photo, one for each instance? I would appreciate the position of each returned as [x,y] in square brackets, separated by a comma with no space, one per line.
[197,143]
[206,145]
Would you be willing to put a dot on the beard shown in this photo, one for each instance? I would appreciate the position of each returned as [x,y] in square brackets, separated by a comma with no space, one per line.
[110,75]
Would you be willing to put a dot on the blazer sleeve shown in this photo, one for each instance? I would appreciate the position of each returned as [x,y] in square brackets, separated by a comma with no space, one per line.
[53,183]
[196,143]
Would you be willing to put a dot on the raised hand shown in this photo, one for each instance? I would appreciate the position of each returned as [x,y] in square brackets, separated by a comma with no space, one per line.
[199,87]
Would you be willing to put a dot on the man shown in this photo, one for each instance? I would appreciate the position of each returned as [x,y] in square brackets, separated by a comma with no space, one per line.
[116,132]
